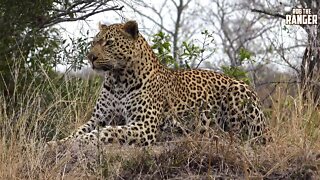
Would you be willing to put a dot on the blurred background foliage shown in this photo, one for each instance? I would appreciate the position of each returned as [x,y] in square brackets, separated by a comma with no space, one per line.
[31,45]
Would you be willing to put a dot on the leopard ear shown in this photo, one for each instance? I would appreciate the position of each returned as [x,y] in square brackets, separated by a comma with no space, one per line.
[102,26]
[131,27]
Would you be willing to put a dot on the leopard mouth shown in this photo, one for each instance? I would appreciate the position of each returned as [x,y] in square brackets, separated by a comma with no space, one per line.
[107,67]
[104,67]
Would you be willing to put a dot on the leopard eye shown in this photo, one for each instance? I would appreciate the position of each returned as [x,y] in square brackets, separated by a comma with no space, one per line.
[109,42]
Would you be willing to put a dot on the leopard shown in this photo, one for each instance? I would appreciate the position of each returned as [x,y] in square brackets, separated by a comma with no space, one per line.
[139,94]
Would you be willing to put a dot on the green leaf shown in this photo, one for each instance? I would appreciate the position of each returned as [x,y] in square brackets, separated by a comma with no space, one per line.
[237,73]
[244,54]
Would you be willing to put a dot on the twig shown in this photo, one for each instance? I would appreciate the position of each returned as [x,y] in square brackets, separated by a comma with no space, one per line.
[269,13]
[278,82]
[87,8]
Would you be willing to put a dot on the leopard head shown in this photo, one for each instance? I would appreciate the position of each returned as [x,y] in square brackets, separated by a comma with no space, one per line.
[113,47]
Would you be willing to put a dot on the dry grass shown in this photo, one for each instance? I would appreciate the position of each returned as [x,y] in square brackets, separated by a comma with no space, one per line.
[294,152]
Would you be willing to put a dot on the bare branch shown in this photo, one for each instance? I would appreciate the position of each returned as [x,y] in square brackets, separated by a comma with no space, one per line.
[277,82]
[57,20]
[152,19]
[269,13]
[84,8]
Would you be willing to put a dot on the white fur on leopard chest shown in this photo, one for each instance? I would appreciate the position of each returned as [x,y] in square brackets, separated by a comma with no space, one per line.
[122,102]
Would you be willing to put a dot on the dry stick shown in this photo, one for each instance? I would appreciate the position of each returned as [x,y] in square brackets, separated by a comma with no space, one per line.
[269,13]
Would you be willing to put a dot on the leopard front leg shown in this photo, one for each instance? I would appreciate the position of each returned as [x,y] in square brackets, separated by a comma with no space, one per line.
[134,133]
[102,115]
[94,122]
[142,127]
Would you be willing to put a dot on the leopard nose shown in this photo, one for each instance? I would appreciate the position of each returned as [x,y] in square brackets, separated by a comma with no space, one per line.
[92,57]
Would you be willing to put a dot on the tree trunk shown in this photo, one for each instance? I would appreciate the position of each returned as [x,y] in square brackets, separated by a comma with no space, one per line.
[310,67]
